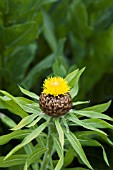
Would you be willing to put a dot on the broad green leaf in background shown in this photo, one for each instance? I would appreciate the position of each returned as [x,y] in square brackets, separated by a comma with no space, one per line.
[42,66]
[77,17]
[59,66]
[22,34]
[48,30]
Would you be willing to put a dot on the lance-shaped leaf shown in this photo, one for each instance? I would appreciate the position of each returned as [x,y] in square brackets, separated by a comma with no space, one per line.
[36,121]
[20,134]
[74,82]
[91,114]
[60,132]
[98,108]
[28,138]
[77,147]
[92,142]
[95,135]
[12,106]
[80,102]
[12,161]
[7,120]
[28,93]
[59,150]
[69,78]
[69,156]
[97,123]
[27,105]
[34,156]
[74,119]
[25,121]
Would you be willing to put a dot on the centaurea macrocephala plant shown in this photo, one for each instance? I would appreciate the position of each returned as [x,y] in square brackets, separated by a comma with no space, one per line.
[46,137]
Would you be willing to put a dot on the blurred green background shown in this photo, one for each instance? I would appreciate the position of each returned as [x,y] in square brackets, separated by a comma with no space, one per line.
[43,37]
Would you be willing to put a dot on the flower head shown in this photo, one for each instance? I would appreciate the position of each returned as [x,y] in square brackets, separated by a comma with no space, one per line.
[55,86]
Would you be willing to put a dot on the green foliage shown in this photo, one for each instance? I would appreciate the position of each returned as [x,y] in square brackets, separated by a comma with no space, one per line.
[39,38]
[59,138]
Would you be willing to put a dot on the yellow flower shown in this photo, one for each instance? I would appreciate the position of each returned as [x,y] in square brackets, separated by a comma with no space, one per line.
[55,86]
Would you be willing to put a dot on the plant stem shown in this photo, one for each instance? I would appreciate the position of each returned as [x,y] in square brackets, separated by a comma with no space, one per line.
[48,145]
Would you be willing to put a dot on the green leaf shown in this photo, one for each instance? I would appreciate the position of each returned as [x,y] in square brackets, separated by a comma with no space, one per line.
[98,108]
[59,150]
[57,145]
[69,78]
[69,156]
[78,19]
[48,30]
[80,102]
[6,120]
[28,93]
[91,142]
[3,6]
[59,66]
[60,163]
[28,138]
[26,55]
[92,114]
[25,121]
[36,121]
[8,96]
[12,106]
[60,132]
[65,123]
[73,79]
[49,1]
[97,123]
[77,147]
[42,66]
[74,119]
[95,135]
[20,134]
[28,105]
[13,160]
[34,156]
[22,34]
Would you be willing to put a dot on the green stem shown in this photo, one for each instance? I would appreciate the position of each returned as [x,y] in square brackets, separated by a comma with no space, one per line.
[48,145]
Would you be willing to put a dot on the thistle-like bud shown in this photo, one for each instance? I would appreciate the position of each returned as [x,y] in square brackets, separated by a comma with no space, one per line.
[55,99]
